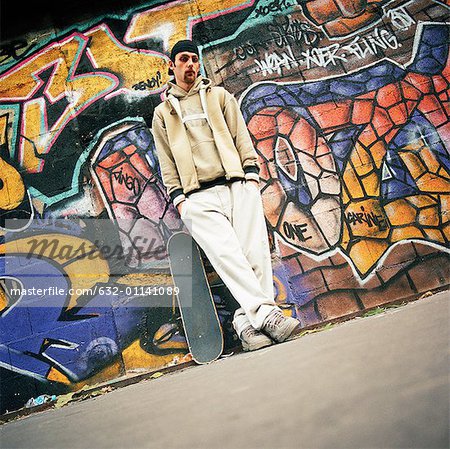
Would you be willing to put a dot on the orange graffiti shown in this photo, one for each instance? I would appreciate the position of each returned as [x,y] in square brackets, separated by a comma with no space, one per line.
[169,21]
[23,82]
[12,189]
[342,17]
[106,51]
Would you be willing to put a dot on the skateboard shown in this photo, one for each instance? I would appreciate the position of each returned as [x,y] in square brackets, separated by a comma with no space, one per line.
[198,312]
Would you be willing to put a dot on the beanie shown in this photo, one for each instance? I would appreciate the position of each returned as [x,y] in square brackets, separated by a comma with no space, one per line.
[180,46]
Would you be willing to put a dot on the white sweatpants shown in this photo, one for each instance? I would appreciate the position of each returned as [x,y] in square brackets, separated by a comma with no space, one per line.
[227,221]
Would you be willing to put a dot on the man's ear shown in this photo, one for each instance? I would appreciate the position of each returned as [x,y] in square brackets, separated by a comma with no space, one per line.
[171,64]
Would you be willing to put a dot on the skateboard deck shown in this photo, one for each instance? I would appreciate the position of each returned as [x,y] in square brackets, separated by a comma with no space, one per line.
[198,312]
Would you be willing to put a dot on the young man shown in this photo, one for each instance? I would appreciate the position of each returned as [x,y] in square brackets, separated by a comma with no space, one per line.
[210,169]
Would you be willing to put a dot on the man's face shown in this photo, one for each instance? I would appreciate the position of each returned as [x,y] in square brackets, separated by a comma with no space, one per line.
[185,68]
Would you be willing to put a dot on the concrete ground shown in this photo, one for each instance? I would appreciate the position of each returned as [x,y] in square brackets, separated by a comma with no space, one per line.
[375,382]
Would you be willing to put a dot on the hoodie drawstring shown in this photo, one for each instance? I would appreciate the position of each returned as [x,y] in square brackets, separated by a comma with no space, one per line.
[204,115]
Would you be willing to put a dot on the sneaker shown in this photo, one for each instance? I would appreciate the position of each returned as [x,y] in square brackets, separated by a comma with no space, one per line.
[253,339]
[280,327]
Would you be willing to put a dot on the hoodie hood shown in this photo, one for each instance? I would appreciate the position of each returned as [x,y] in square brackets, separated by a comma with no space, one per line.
[178,92]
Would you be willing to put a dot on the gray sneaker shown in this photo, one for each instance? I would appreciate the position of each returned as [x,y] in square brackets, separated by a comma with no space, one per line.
[253,339]
[280,327]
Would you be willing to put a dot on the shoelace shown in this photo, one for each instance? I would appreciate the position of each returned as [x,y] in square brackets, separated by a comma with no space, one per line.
[275,320]
[250,332]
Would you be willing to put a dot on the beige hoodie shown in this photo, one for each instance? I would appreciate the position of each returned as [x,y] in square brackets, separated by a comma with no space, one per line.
[201,136]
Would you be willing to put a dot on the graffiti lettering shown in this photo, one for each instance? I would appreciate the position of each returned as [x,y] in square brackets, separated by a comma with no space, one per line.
[130,182]
[359,47]
[249,49]
[154,82]
[45,82]
[296,230]
[274,6]
[48,88]
[276,61]
[286,31]
[324,56]
[148,23]
[369,218]
[371,44]
[368,144]
[400,18]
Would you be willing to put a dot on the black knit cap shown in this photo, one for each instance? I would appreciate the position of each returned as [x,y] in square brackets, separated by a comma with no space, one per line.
[180,46]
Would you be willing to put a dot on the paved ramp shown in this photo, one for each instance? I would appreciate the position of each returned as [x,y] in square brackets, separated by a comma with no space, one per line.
[374,382]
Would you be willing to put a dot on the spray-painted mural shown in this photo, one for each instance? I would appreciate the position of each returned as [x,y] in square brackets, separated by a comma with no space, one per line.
[348,105]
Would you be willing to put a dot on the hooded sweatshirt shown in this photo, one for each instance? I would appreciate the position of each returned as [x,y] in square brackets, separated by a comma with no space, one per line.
[200,137]
[201,140]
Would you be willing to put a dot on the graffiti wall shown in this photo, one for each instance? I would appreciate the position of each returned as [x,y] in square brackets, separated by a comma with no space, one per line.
[347,102]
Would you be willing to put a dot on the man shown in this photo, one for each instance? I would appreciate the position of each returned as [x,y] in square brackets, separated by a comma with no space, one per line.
[210,169]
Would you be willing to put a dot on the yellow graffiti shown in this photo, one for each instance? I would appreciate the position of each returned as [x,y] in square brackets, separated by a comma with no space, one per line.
[3,298]
[3,129]
[12,189]
[134,357]
[371,227]
[23,82]
[169,21]
[425,168]
[109,372]
[281,292]
[145,279]
[133,66]
[55,375]
[50,76]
